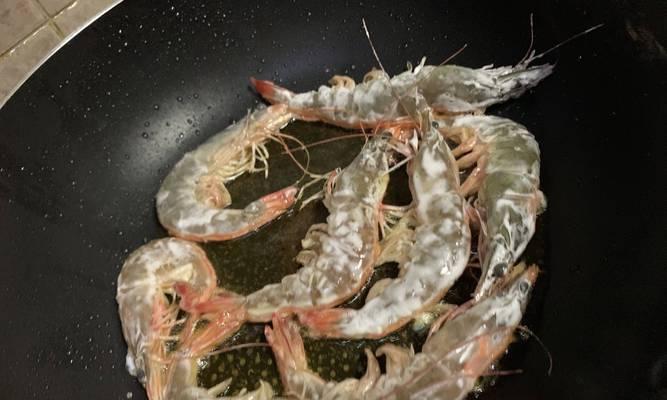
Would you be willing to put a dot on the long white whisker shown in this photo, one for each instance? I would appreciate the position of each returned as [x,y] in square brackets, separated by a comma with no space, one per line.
[398,165]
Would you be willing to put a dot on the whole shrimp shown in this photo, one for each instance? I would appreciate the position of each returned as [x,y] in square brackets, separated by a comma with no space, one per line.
[192,201]
[446,88]
[347,243]
[438,255]
[447,368]
[149,281]
[506,179]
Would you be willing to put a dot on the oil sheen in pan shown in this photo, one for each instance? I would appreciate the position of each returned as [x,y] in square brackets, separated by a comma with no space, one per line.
[247,264]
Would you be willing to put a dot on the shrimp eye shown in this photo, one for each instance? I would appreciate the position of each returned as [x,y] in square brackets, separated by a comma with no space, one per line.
[435,124]
[499,270]
[524,286]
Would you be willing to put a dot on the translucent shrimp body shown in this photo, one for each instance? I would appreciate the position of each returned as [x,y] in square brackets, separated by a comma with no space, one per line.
[447,368]
[147,276]
[446,88]
[192,201]
[506,179]
[347,243]
[435,260]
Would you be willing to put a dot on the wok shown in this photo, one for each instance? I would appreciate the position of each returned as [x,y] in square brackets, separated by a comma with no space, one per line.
[86,141]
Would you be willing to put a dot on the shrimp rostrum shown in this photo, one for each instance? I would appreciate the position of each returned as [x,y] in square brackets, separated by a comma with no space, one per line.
[192,202]
[447,89]
[447,368]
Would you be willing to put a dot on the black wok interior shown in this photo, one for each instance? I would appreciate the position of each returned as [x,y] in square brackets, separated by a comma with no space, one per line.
[85,143]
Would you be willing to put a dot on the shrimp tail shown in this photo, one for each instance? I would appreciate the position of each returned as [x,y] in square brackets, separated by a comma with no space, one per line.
[287,345]
[281,200]
[322,323]
[225,313]
[271,92]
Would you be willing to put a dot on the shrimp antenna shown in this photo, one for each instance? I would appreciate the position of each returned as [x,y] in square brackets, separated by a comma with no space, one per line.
[532,40]
[532,58]
[544,347]
[456,53]
[236,347]
[386,76]
[370,41]
[280,138]
[327,140]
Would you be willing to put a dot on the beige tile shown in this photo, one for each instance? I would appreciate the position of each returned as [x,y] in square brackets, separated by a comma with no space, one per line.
[17,19]
[16,65]
[79,13]
[54,6]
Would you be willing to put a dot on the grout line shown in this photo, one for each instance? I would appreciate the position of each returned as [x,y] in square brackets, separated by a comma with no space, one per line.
[59,31]
[20,41]
[50,20]
[60,11]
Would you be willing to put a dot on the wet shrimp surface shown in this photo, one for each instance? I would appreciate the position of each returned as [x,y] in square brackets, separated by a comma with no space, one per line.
[247,264]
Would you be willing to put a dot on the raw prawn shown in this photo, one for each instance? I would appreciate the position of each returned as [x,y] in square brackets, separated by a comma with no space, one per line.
[506,179]
[447,368]
[158,269]
[347,243]
[192,201]
[435,260]
[446,88]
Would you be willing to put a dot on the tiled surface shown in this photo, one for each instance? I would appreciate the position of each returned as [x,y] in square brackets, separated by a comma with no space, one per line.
[77,14]
[18,18]
[53,7]
[20,62]
[31,30]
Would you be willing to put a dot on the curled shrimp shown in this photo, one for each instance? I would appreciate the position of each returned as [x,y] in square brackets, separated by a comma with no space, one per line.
[347,245]
[447,368]
[506,179]
[446,88]
[192,201]
[150,280]
[146,313]
[436,258]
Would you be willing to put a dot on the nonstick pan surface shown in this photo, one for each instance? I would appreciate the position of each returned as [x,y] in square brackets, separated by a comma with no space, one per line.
[85,143]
